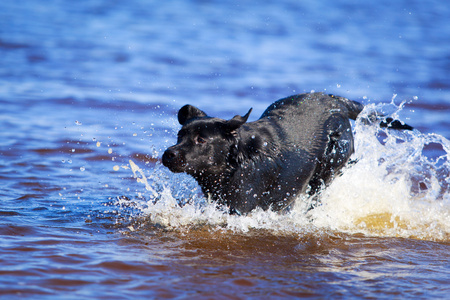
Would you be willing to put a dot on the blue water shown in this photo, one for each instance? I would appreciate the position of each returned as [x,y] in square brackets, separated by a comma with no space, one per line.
[89,92]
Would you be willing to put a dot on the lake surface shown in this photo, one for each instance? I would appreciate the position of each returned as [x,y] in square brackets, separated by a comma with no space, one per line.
[89,92]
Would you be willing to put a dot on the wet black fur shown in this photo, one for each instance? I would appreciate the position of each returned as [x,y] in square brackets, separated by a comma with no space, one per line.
[296,146]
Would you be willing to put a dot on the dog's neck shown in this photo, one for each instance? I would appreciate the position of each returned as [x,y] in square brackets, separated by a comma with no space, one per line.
[213,184]
[249,147]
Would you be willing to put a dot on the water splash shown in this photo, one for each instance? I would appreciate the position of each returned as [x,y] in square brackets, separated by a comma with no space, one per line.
[141,179]
[398,187]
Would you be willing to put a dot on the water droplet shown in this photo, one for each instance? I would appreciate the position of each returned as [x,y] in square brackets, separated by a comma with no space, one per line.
[82,169]
[78,123]
[253,136]
[109,151]
[69,161]
[415,97]
[265,144]
[73,150]
[338,85]
[116,168]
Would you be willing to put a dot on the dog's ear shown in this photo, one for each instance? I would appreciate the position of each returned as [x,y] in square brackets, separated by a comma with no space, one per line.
[237,121]
[189,112]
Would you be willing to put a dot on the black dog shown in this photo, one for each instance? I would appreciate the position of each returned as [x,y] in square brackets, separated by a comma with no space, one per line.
[296,146]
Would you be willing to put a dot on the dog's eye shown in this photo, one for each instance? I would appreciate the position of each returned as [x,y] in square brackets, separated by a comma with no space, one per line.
[200,140]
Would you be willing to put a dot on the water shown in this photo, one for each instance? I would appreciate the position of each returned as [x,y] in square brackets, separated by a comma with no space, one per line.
[89,92]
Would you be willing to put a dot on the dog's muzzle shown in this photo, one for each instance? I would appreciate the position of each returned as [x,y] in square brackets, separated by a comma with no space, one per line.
[172,160]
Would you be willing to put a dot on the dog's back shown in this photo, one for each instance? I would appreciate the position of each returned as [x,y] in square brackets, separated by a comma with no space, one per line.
[299,141]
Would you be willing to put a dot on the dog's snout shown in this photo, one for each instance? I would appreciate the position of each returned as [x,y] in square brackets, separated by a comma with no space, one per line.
[172,159]
[169,155]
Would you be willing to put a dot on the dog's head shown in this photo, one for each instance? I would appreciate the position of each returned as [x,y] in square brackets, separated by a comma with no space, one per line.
[204,143]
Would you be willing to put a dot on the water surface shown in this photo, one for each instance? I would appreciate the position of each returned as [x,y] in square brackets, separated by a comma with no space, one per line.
[89,92]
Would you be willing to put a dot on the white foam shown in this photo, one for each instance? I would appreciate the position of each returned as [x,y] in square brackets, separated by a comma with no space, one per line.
[394,189]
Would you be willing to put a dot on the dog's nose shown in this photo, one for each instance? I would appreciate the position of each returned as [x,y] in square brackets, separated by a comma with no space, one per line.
[169,155]
[173,159]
